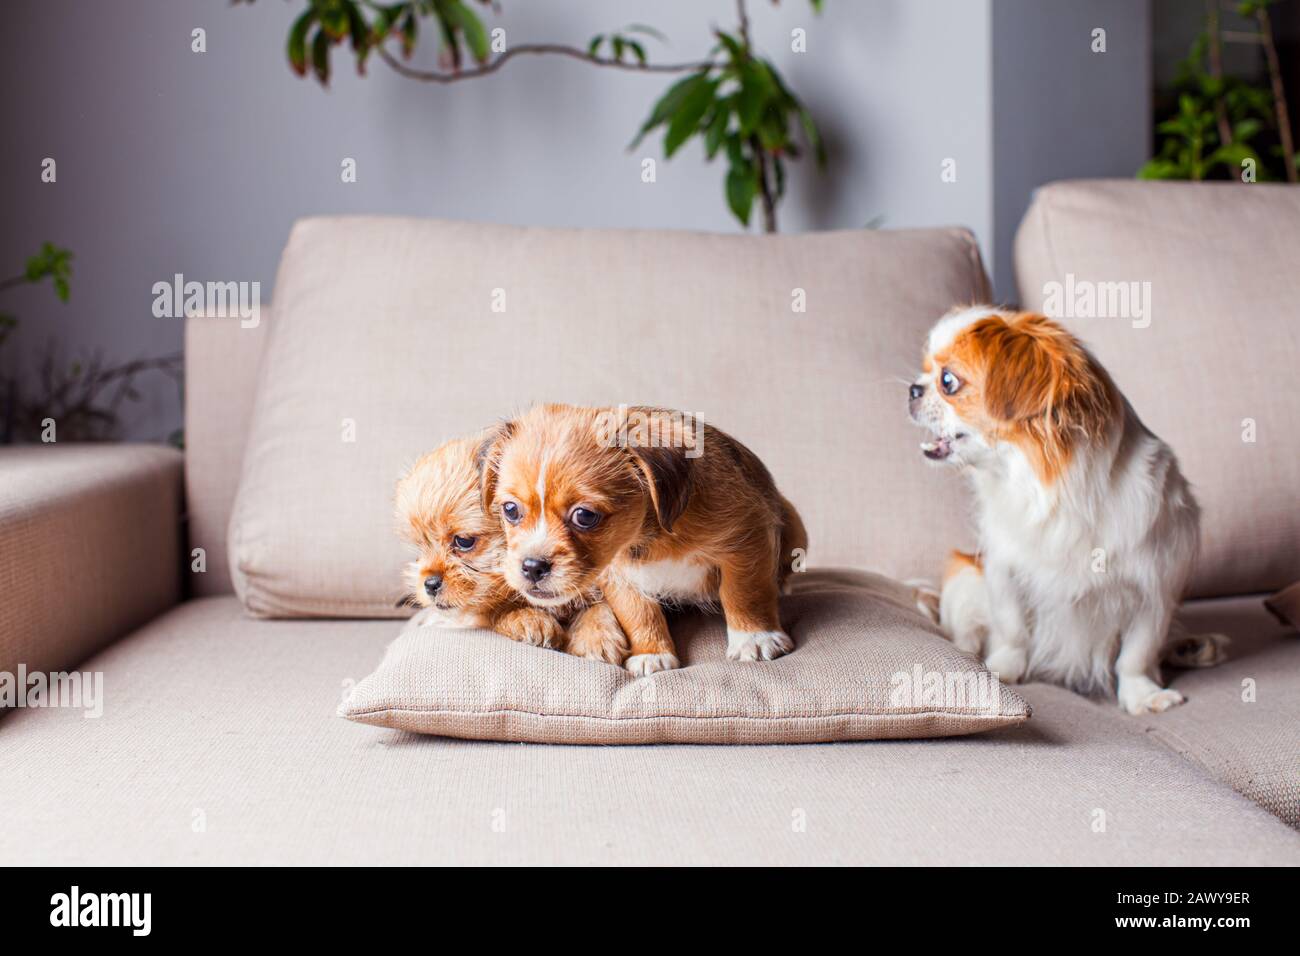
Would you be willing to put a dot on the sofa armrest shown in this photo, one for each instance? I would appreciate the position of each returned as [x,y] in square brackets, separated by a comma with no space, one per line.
[90,548]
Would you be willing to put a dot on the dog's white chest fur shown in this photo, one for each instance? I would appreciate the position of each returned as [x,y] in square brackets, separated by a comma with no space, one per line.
[678,580]
[1113,544]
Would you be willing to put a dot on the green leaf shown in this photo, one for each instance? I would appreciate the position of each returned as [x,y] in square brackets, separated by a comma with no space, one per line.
[772,131]
[731,44]
[320,57]
[410,31]
[298,42]
[686,121]
[750,98]
[334,21]
[716,130]
[476,36]
[1232,156]
[358,30]
[1246,130]
[742,186]
[736,150]
[1162,169]
[668,104]
[594,45]
[450,43]
[813,136]
[619,45]
[637,49]
[53,261]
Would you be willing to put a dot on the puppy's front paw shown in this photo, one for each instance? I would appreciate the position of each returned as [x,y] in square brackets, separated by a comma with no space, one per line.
[531,625]
[757,645]
[595,634]
[1009,663]
[643,665]
[1145,696]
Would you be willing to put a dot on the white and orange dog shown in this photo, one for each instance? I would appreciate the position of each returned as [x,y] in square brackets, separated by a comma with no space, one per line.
[1087,528]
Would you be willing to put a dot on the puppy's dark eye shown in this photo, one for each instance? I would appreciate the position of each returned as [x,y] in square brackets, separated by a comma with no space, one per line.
[950,383]
[584,519]
[511,512]
[464,542]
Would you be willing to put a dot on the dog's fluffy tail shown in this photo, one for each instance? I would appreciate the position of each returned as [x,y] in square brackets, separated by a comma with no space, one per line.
[964,603]
[1184,649]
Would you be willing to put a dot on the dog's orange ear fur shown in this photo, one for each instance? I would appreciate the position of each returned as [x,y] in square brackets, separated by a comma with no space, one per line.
[488,459]
[666,473]
[1041,381]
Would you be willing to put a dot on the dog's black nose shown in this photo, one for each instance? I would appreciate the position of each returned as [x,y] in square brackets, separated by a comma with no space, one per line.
[535,569]
[916,392]
[431,584]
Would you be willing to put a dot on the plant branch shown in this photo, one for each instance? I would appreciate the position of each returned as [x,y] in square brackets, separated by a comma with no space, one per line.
[536,49]
[10,283]
[1216,71]
[1279,92]
[764,186]
[744,23]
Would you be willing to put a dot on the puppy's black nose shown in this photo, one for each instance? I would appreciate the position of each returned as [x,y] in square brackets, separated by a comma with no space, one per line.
[431,584]
[916,392]
[535,569]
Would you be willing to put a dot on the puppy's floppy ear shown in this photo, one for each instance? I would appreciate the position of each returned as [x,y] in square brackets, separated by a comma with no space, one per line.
[488,458]
[666,473]
[1019,371]
[1036,369]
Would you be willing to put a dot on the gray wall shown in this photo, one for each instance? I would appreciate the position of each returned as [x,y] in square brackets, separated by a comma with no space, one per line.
[1061,111]
[172,161]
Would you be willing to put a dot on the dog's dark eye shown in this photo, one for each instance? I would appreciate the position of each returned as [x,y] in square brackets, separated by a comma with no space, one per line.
[584,519]
[463,542]
[949,383]
[511,512]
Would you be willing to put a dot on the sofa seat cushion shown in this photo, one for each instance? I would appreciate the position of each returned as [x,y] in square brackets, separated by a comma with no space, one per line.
[218,744]
[867,665]
[1190,296]
[391,336]
[1242,718]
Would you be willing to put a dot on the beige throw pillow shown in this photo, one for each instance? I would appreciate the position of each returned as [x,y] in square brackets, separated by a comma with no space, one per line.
[867,665]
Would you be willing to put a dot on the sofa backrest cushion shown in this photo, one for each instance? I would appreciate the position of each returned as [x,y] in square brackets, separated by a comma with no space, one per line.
[394,335]
[222,356]
[1195,310]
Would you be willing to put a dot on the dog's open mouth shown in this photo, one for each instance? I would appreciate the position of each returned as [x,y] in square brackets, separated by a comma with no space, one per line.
[941,446]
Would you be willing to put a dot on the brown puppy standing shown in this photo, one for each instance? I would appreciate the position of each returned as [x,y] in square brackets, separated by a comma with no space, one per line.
[642,506]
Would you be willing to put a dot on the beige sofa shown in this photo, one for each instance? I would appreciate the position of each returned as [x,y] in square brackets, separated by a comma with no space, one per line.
[218,742]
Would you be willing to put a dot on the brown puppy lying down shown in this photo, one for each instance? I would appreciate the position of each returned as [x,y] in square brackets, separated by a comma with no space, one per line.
[641,506]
